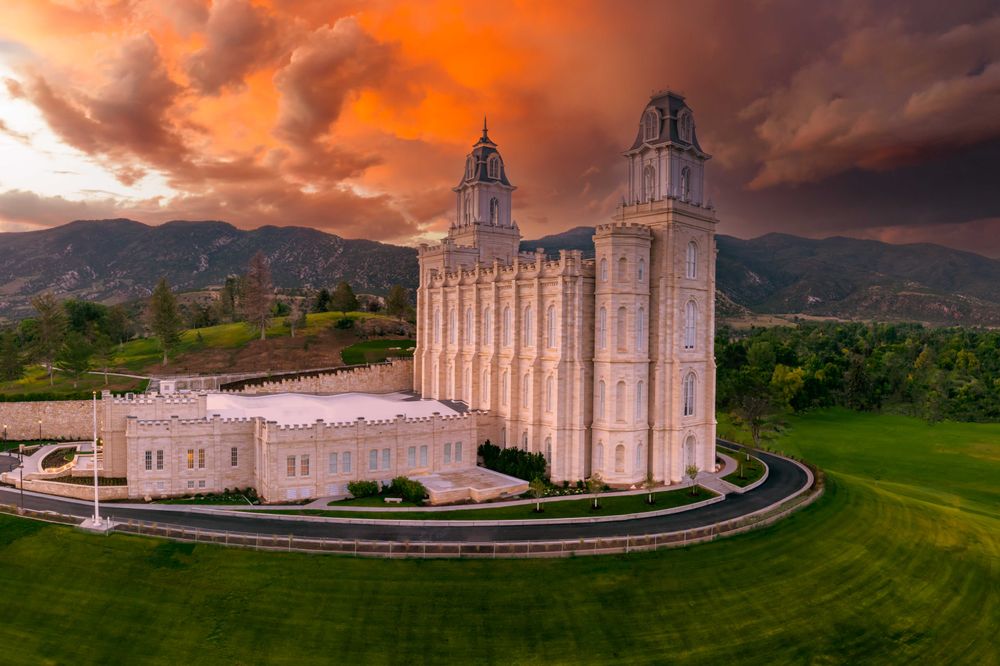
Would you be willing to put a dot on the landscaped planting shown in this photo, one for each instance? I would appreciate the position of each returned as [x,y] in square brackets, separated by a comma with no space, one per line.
[895,564]
[747,471]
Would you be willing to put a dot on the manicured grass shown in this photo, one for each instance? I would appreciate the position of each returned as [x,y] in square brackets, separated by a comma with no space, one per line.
[36,381]
[751,470]
[374,351]
[897,563]
[569,508]
[376,500]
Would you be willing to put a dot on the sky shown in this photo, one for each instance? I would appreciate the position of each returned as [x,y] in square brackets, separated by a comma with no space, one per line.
[849,117]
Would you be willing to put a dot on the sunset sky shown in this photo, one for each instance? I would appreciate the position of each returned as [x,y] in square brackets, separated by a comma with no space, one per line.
[868,119]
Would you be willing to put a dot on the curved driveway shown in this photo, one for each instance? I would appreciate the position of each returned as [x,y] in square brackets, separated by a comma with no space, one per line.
[784,479]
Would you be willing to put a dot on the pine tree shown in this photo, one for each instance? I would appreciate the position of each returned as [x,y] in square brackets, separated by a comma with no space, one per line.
[343,299]
[104,352]
[11,360]
[74,357]
[396,303]
[258,294]
[322,303]
[164,319]
[51,329]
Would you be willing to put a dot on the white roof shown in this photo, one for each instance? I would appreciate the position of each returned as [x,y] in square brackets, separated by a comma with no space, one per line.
[301,409]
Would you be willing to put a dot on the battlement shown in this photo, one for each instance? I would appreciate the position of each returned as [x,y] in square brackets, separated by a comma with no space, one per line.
[622,228]
[530,264]
[155,399]
[361,422]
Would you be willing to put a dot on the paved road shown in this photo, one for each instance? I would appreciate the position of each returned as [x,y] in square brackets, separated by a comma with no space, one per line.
[784,479]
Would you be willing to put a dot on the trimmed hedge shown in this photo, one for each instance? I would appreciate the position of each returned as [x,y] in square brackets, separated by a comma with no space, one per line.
[363,488]
[513,462]
[410,490]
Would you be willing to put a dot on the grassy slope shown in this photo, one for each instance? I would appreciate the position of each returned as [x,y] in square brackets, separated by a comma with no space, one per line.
[895,564]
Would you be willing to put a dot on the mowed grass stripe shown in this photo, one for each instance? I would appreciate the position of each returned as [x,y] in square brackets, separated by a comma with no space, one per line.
[874,572]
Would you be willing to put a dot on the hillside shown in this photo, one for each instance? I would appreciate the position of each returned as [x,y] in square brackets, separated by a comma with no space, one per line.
[842,277]
[118,260]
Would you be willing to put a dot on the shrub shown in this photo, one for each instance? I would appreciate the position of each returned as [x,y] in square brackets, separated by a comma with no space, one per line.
[408,489]
[513,462]
[344,323]
[363,488]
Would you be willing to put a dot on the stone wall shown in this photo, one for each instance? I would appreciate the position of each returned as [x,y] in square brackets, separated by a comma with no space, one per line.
[395,375]
[67,419]
[76,491]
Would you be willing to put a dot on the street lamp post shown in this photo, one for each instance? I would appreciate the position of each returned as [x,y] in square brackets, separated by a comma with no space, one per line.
[97,504]
[21,474]
[39,431]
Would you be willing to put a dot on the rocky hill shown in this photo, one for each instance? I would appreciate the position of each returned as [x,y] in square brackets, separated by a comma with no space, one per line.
[119,260]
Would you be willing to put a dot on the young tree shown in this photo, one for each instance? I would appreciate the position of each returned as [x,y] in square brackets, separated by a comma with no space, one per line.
[537,490]
[50,330]
[258,294]
[594,485]
[164,319]
[649,484]
[343,299]
[104,352]
[396,303]
[296,317]
[74,356]
[692,473]
[118,325]
[11,360]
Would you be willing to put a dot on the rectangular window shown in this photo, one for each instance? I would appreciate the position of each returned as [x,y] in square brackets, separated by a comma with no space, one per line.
[234,457]
[386,459]
[190,484]
[201,484]
[190,458]
[290,466]
[373,460]
[458,451]
[159,459]
[411,457]
[304,465]
[160,485]
[347,462]
[149,461]
[333,464]
[447,453]
[201,458]
[423,456]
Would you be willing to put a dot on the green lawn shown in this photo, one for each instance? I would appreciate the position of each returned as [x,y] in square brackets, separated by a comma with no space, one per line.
[897,563]
[747,471]
[36,381]
[374,351]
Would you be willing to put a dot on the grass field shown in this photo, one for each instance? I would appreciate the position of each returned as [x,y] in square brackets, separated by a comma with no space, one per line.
[36,380]
[897,563]
[374,351]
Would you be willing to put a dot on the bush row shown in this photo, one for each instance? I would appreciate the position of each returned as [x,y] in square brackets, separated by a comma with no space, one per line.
[513,462]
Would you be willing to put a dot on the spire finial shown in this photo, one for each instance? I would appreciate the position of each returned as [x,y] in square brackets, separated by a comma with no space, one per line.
[484,128]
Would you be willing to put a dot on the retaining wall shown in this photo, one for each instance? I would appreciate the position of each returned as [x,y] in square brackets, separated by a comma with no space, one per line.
[390,377]
[68,419]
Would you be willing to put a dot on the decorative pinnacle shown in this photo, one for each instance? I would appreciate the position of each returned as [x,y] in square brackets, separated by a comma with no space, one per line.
[485,136]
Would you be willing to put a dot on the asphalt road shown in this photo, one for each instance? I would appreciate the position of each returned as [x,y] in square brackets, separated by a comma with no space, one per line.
[783,480]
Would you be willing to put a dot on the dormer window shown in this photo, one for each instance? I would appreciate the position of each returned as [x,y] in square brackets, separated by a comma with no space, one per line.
[651,125]
[684,126]
[493,167]
[470,167]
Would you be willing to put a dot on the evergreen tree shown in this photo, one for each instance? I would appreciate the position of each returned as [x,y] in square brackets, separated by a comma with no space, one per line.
[118,325]
[396,303]
[104,352]
[164,319]
[258,294]
[50,330]
[322,303]
[343,299]
[11,360]
[74,356]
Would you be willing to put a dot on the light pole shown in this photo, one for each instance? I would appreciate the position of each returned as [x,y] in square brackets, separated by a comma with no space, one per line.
[20,471]
[97,503]
[39,431]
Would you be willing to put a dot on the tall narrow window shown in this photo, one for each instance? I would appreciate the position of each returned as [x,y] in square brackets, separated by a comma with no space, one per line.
[526,391]
[159,459]
[386,459]
[548,450]
[648,182]
[447,453]
[504,386]
[346,460]
[493,167]
[650,125]
[234,457]
[600,400]
[469,338]
[411,457]
[550,326]
[620,401]
[686,183]
[452,326]
[621,325]
[640,398]
[690,451]
[620,459]
[373,460]
[468,386]
[304,465]
[423,455]
[484,388]
[506,326]
[290,466]
[458,452]
[622,269]
[640,330]
[524,441]
[494,212]
[602,329]
[639,459]
[548,393]
[201,458]
[692,260]
[487,326]
[333,466]
[604,270]
[528,339]
[190,458]
[688,394]
[437,325]
[690,325]
[599,457]
[149,461]
[640,271]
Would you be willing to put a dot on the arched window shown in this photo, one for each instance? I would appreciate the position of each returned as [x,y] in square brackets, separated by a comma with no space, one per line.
[468,386]
[468,207]
[692,260]
[468,326]
[437,379]
[484,388]
[686,183]
[648,182]
[528,337]
[690,451]
[650,125]
[604,270]
[494,211]
[550,326]
[640,272]
[437,325]
[506,326]
[548,450]
[639,460]
[688,394]
[549,389]
[684,126]
[493,167]
[526,391]
[452,325]
[524,440]
[620,401]
[598,463]
[451,382]
[504,387]
[640,398]
[599,409]
[621,336]
[640,330]
[602,329]
[620,459]
[622,269]
[487,326]
[690,324]
[470,166]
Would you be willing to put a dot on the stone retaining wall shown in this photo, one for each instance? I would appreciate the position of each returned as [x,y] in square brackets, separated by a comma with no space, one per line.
[69,489]
[67,419]
[390,377]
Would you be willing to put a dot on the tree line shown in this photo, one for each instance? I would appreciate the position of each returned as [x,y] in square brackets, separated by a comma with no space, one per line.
[930,373]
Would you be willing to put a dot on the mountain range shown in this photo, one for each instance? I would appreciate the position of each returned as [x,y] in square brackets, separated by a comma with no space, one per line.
[121,260]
